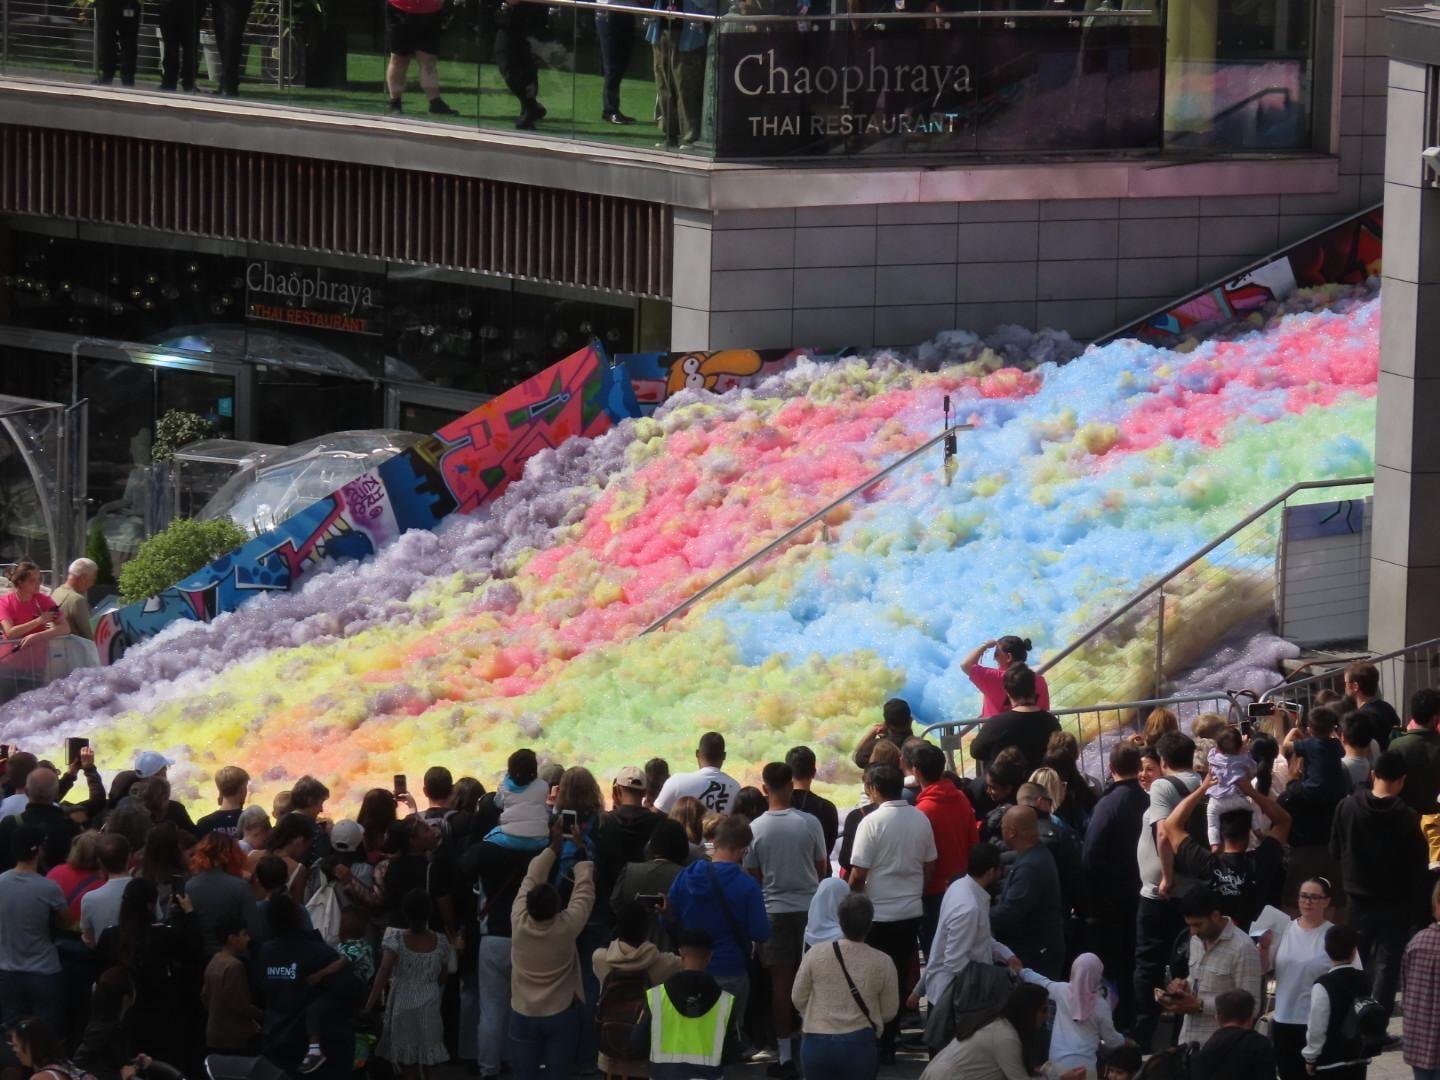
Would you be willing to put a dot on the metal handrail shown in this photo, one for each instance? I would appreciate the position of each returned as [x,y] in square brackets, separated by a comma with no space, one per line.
[786,536]
[952,732]
[1079,710]
[1286,687]
[1170,575]
[844,16]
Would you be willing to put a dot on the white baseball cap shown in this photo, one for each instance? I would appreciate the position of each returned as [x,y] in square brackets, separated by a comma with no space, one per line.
[150,762]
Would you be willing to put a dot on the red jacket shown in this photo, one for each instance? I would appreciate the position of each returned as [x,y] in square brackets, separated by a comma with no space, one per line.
[952,820]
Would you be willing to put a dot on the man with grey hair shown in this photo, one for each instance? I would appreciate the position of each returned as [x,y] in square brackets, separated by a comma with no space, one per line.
[42,810]
[71,598]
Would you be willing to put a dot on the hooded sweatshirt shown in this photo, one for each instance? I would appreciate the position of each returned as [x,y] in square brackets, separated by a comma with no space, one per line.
[1380,847]
[620,838]
[645,960]
[952,820]
[695,904]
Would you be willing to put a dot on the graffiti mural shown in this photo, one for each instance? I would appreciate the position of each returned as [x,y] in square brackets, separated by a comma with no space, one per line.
[460,468]
[1345,255]
[655,376]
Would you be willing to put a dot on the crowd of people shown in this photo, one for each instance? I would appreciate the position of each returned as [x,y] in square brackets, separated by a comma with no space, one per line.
[1023,922]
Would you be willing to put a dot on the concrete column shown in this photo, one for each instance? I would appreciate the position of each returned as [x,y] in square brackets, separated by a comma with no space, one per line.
[1405,560]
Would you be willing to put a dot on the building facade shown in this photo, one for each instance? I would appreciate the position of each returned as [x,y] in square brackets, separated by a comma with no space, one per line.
[299,258]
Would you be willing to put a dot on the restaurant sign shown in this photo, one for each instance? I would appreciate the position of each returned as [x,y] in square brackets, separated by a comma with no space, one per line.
[930,86]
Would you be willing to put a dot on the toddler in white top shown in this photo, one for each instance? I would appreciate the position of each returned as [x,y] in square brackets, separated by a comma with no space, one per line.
[1229,763]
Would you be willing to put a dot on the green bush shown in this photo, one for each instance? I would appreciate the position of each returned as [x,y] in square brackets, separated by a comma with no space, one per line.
[176,552]
[97,550]
[178,428]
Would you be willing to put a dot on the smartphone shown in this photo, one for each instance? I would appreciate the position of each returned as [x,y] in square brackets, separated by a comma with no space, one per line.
[1247,727]
[177,888]
[1270,708]
[73,746]
[569,819]
[400,786]
[6,749]
[650,900]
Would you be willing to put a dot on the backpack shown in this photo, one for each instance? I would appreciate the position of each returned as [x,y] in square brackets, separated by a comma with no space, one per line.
[619,1012]
[323,907]
[1172,1063]
[1365,1023]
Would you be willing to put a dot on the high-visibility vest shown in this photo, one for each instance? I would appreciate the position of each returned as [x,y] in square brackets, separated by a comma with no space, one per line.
[676,1039]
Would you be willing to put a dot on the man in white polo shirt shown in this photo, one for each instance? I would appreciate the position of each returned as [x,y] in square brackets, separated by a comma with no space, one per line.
[894,851]
[708,784]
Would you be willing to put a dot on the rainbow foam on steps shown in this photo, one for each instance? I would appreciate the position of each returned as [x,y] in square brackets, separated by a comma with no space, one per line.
[1078,483]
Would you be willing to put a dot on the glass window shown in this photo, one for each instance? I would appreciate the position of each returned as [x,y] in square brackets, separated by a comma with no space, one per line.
[442,332]
[295,405]
[1238,74]
[426,418]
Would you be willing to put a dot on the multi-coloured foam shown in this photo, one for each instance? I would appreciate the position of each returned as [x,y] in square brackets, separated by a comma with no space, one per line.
[1077,484]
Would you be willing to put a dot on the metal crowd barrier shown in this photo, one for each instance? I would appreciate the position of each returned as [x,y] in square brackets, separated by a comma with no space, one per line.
[1402,672]
[1097,727]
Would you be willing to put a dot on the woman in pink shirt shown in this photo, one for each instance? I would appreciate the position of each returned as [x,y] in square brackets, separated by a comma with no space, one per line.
[27,614]
[991,681]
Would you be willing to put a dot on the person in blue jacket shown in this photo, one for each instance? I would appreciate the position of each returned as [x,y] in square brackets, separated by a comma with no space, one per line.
[719,897]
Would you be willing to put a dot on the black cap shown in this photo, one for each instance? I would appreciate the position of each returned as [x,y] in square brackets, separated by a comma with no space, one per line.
[897,713]
[26,842]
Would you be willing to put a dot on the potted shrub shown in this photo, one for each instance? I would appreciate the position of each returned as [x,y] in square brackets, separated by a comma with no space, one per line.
[177,551]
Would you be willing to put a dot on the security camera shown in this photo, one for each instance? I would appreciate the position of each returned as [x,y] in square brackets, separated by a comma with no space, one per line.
[1431,157]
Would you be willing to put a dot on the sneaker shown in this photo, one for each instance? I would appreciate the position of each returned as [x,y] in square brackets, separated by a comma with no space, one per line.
[1392,1042]
[617,118]
[396,106]
[313,1060]
[439,108]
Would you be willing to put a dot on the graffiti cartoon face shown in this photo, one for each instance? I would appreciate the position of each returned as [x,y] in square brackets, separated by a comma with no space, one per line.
[700,371]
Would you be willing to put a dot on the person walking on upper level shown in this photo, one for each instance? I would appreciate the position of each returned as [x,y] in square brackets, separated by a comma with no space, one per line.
[412,28]
[679,63]
[514,23]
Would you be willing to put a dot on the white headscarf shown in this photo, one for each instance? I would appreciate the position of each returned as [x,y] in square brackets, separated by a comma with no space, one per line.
[823,923]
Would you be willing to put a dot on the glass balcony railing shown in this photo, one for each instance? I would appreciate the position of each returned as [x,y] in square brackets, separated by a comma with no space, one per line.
[760,79]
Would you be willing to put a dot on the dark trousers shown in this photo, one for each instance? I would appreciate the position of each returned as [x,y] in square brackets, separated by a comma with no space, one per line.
[230,19]
[1157,924]
[1384,928]
[117,25]
[1289,1040]
[24,994]
[897,941]
[616,31]
[1114,930]
[929,921]
[515,25]
[179,42]
[680,83]
[544,1040]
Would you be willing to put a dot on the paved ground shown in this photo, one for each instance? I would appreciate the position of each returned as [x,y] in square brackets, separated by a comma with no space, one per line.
[910,1065]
